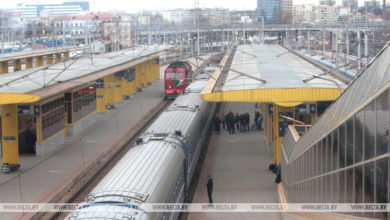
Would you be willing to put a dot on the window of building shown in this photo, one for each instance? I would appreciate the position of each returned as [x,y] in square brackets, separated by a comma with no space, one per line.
[84,102]
[53,114]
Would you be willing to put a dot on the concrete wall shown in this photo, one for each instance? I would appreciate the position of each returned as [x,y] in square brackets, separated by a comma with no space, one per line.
[52,144]
[82,124]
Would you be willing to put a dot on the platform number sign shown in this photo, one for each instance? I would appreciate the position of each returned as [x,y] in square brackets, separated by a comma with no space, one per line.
[100,83]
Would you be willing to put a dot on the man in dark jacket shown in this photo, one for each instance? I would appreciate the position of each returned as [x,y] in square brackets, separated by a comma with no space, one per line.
[217,124]
[209,185]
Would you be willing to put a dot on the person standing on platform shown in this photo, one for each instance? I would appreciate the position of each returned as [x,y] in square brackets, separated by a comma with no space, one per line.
[223,121]
[209,186]
[217,124]
[237,121]
[247,119]
[260,121]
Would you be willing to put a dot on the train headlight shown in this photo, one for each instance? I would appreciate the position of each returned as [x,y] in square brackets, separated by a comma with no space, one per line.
[169,86]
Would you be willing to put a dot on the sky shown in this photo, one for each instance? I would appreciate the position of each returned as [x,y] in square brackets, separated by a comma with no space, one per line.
[139,5]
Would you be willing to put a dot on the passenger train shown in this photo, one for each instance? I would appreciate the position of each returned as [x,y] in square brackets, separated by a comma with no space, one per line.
[177,77]
[160,167]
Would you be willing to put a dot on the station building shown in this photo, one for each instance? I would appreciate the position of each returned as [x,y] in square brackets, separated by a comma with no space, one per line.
[43,104]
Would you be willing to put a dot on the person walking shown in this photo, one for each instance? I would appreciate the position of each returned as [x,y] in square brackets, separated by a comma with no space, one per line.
[209,186]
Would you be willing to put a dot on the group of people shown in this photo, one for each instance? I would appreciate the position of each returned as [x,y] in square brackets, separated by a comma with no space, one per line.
[239,122]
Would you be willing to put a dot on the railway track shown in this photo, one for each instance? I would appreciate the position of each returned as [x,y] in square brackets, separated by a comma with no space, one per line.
[88,181]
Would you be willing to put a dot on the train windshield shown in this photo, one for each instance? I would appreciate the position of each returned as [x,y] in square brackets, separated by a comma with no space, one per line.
[174,75]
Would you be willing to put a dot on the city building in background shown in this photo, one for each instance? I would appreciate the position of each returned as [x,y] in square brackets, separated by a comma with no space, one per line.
[82,28]
[118,32]
[270,10]
[287,11]
[31,9]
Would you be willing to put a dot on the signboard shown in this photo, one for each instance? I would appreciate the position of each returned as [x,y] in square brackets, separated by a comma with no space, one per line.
[143,19]
[100,84]
[25,110]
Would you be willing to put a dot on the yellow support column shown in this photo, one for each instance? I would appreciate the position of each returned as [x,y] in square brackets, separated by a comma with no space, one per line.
[280,127]
[143,80]
[118,90]
[157,68]
[49,59]
[66,56]
[138,76]
[109,90]
[133,87]
[9,126]
[29,63]
[39,61]
[100,96]
[4,67]
[149,72]
[126,87]
[17,65]
[58,57]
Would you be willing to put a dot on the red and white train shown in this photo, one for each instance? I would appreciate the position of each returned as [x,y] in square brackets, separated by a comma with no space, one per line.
[177,77]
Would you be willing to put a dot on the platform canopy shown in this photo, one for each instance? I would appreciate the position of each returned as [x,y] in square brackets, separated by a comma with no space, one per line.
[30,85]
[273,74]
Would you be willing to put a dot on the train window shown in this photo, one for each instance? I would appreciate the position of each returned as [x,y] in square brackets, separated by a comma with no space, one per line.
[170,75]
[179,75]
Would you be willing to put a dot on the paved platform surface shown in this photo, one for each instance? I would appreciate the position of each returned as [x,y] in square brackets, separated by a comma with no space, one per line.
[238,164]
[40,177]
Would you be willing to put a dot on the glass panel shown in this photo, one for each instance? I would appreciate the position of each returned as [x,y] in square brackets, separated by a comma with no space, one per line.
[328,153]
[341,184]
[349,183]
[369,186]
[359,123]
[342,146]
[323,156]
[350,138]
[382,124]
[369,182]
[358,184]
[335,187]
[381,191]
[335,149]
[369,131]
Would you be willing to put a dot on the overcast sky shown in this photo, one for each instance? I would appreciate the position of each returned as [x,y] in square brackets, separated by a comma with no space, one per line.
[139,5]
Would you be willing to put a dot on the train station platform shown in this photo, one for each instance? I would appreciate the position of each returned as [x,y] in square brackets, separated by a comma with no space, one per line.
[238,164]
[40,178]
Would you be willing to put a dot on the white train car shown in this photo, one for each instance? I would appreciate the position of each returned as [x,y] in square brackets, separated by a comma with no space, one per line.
[159,168]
